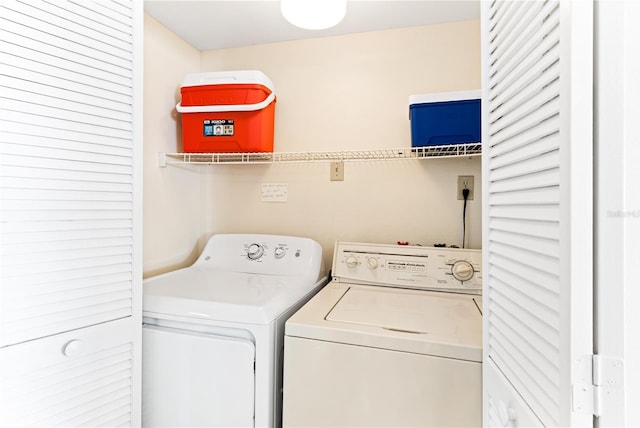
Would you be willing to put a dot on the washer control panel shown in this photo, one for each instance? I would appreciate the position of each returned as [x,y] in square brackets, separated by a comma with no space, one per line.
[431,268]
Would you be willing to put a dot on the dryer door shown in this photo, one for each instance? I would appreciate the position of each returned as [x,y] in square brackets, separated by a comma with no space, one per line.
[196,379]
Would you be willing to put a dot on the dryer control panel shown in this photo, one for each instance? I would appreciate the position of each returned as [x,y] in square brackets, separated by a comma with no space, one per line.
[263,254]
[429,268]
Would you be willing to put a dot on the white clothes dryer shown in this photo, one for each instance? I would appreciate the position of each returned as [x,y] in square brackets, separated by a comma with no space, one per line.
[395,339]
[213,332]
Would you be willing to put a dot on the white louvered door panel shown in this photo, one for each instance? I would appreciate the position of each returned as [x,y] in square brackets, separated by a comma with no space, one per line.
[66,147]
[81,379]
[70,205]
[537,171]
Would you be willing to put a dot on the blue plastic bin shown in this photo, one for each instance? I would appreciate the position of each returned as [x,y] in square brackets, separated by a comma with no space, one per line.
[445,118]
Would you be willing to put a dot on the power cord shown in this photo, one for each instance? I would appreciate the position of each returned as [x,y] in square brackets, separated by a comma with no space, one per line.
[465,195]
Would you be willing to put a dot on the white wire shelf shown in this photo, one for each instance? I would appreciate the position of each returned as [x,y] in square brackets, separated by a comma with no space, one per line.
[426,152]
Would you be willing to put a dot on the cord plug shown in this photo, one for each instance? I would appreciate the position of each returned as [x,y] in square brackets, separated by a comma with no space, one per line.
[465,193]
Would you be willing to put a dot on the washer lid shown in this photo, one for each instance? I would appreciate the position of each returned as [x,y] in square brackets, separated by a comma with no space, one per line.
[222,296]
[442,317]
[431,323]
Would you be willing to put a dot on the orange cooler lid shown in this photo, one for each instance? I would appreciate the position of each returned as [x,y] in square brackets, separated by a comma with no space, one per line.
[228,77]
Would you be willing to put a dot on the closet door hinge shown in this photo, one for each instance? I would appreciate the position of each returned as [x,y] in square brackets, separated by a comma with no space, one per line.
[605,393]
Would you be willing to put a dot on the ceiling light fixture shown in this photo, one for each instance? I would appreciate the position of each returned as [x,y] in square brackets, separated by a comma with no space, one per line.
[313,14]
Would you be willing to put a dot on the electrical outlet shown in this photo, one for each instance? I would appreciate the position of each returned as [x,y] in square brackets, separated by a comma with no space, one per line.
[337,171]
[465,182]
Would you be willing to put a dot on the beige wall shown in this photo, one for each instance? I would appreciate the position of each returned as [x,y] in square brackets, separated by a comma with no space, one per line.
[172,211]
[345,92]
[385,201]
[351,92]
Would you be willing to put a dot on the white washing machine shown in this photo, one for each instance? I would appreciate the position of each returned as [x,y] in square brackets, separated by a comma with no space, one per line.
[395,339]
[213,332]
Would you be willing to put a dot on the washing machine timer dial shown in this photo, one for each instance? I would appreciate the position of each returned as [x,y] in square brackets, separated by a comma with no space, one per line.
[255,251]
[462,270]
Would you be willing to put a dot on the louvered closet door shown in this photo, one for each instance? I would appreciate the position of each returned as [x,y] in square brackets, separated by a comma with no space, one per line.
[70,203]
[537,171]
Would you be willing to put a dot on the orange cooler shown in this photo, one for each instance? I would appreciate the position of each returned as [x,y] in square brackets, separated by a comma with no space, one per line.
[229,111]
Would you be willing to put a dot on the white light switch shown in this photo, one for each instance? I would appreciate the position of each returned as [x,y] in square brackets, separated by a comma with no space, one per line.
[275,192]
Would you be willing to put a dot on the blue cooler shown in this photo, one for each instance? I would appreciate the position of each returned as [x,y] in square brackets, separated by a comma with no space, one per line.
[445,118]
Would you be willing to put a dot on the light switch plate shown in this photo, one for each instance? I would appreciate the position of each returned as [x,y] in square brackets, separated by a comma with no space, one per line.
[337,171]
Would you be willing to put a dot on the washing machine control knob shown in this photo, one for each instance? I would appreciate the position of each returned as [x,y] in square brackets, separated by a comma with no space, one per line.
[372,263]
[279,252]
[462,270]
[255,251]
[351,261]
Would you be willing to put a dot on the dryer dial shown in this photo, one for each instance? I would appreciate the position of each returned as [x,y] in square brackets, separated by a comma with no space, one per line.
[279,252]
[255,251]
